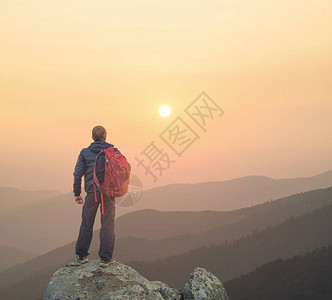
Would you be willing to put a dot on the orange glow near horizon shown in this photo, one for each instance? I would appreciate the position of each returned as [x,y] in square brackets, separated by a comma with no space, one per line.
[67,66]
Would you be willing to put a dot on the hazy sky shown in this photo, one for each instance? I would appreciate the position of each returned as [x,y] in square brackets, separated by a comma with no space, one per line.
[67,66]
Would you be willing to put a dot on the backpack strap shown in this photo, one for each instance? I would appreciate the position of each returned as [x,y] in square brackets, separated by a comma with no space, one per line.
[96,183]
[95,178]
[94,187]
[102,198]
[102,203]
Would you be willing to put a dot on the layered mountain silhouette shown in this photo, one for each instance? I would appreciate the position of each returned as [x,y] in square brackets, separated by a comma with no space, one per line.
[294,236]
[300,277]
[229,194]
[41,226]
[46,224]
[10,256]
[12,198]
[236,258]
[236,225]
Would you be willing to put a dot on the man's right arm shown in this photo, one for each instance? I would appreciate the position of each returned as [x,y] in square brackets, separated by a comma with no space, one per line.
[80,169]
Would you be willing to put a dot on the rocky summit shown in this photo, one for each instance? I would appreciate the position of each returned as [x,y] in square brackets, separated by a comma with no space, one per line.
[120,282]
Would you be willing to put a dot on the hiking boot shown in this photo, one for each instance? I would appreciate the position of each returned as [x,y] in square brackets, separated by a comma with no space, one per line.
[82,260]
[106,263]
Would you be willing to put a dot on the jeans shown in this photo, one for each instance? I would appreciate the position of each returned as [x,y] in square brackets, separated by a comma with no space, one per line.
[107,235]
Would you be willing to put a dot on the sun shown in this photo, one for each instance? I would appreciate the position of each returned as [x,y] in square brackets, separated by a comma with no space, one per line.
[164,111]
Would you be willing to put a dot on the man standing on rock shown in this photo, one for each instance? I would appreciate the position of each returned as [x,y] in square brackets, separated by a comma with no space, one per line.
[85,166]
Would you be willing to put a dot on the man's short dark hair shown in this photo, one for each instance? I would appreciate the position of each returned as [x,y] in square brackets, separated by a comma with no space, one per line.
[99,133]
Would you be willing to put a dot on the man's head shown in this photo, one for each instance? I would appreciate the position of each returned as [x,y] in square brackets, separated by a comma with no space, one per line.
[99,133]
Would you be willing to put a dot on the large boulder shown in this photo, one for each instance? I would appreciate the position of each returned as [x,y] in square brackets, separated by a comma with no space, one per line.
[203,285]
[77,281]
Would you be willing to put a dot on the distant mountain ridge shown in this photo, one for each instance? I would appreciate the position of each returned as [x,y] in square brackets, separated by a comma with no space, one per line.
[229,194]
[12,198]
[301,277]
[294,236]
[235,225]
[42,222]
[10,256]
[170,223]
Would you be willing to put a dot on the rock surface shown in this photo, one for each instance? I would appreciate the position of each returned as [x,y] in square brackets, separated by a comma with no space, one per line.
[120,282]
[203,285]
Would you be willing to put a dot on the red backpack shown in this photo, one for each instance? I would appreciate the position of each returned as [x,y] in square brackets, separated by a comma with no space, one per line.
[115,174]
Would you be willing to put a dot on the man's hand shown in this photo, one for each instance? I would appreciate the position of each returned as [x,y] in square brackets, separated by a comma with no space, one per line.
[79,199]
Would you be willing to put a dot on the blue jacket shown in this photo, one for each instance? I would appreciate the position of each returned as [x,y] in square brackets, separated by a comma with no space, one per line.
[85,164]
